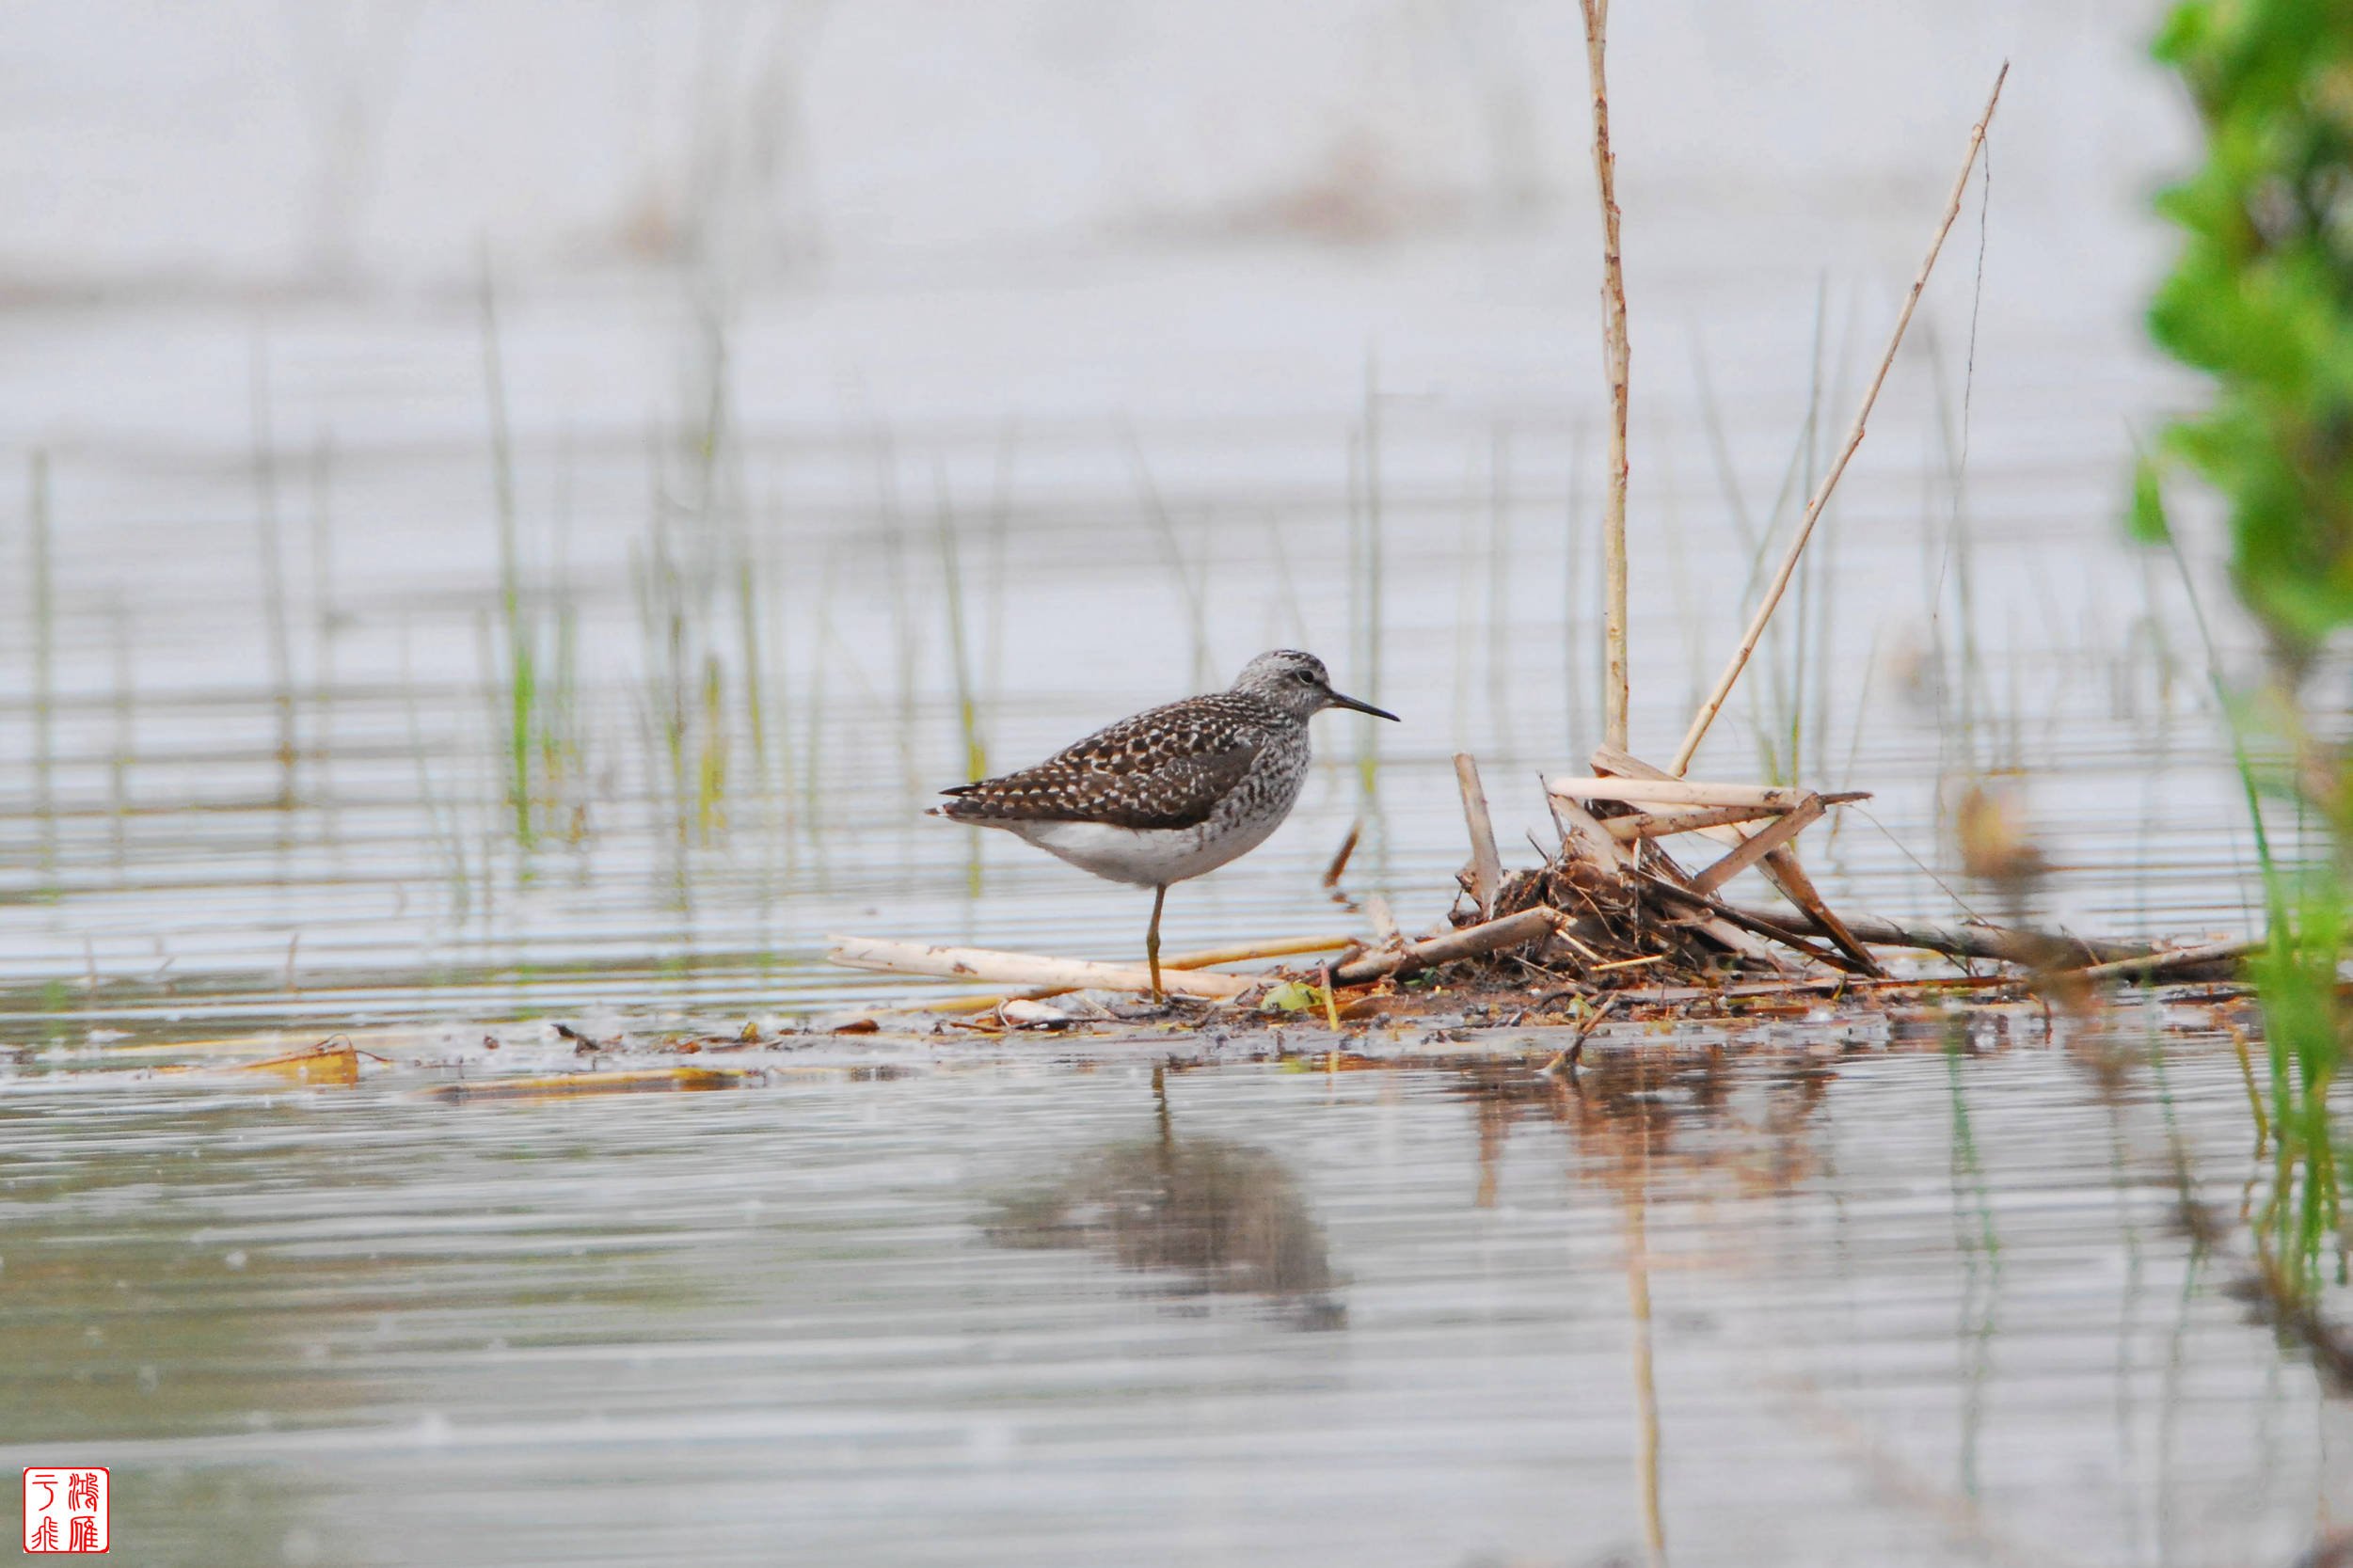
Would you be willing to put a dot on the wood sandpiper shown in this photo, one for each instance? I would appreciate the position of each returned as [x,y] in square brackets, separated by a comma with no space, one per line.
[1174,791]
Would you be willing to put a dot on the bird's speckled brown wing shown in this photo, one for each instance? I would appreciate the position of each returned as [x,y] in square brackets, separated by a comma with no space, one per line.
[1165,768]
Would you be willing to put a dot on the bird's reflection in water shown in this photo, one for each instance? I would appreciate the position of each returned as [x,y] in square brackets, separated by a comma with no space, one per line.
[1208,1214]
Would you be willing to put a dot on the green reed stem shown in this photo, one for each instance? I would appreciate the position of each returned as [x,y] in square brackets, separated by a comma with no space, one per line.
[522,695]
[273,577]
[44,671]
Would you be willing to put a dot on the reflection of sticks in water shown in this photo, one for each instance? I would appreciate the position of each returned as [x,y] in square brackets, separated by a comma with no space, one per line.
[1646,1385]
[1959,1518]
[2276,1295]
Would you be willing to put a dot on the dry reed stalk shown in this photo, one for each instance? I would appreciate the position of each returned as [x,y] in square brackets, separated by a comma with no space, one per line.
[1278,947]
[1783,870]
[1617,359]
[2165,962]
[1486,862]
[1725,683]
[1339,866]
[1472,941]
[2031,949]
[1024,969]
[1680,792]
[1758,846]
[1780,932]
[1667,824]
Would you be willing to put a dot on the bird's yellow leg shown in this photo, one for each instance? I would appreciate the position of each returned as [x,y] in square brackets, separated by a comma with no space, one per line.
[1151,941]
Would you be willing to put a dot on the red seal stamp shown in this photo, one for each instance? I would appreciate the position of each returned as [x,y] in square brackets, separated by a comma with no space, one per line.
[66,1508]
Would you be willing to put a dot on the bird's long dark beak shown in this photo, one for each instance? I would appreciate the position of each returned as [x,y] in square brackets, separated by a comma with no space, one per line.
[1338,701]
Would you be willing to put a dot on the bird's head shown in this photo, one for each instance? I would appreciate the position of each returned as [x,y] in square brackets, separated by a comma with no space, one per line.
[1298,683]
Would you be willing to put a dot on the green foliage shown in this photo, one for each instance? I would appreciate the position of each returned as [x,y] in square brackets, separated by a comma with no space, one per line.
[1292,996]
[2148,521]
[2304,1031]
[2261,299]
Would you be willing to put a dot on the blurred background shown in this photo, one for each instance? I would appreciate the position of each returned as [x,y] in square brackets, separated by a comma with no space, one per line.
[522,505]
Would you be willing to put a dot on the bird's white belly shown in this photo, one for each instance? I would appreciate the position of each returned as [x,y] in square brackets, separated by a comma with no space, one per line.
[1146,857]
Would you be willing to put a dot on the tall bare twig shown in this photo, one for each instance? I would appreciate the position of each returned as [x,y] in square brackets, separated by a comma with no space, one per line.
[1725,683]
[1616,359]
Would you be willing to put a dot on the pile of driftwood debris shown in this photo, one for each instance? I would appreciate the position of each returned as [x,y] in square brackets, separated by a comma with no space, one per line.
[1611,908]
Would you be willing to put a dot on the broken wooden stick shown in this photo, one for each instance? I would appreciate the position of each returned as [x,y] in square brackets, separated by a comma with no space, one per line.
[1582,835]
[1709,710]
[1758,846]
[1489,937]
[1682,792]
[1487,863]
[1278,947]
[1026,969]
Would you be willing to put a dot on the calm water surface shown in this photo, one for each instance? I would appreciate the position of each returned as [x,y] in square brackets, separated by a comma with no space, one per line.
[1903,1305]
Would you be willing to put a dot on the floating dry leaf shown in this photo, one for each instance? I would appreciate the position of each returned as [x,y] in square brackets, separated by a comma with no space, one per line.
[566,1085]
